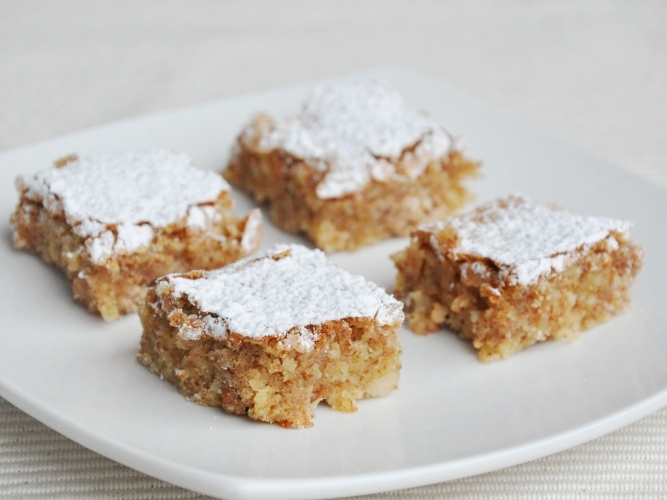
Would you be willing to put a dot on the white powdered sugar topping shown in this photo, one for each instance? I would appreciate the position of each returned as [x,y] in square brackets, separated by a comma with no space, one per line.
[351,130]
[115,200]
[202,217]
[284,289]
[525,239]
[252,232]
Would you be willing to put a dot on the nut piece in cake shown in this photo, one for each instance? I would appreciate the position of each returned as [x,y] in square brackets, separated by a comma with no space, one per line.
[355,166]
[272,335]
[514,272]
[115,222]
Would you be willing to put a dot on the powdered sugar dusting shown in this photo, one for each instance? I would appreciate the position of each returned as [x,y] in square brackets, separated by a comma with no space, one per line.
[252,232]
[300,338]
[114,200]
[351,129]
[524,238]
[284,289]
[202,217]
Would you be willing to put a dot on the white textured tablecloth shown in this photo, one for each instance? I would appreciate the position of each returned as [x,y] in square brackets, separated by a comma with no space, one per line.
[591,72]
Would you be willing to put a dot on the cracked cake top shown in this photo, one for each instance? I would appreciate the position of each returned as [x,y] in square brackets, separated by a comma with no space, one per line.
[354,132]
[115,200]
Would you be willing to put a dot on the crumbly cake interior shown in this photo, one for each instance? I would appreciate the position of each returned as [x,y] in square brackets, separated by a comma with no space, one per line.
[506,307]
[247,360]
[108,263]
[355,166]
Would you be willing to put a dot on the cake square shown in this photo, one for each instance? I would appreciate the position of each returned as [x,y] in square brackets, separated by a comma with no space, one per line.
[355,166]
[514,272]
[115,222]
[272,335]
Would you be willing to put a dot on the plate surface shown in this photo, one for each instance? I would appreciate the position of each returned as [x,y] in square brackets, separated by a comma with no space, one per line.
[452,415]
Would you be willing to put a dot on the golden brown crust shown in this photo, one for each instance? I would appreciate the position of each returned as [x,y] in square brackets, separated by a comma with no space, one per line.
[263,378]
[382,209]
[117,286]
[501,320]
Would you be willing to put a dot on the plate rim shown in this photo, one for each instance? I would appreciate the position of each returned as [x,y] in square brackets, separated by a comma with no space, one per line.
[229,486]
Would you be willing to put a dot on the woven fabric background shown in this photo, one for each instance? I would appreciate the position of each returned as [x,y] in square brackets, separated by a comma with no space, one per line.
[593,73]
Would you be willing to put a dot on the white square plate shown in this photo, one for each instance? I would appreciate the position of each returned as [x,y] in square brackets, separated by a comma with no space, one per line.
[452,416]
